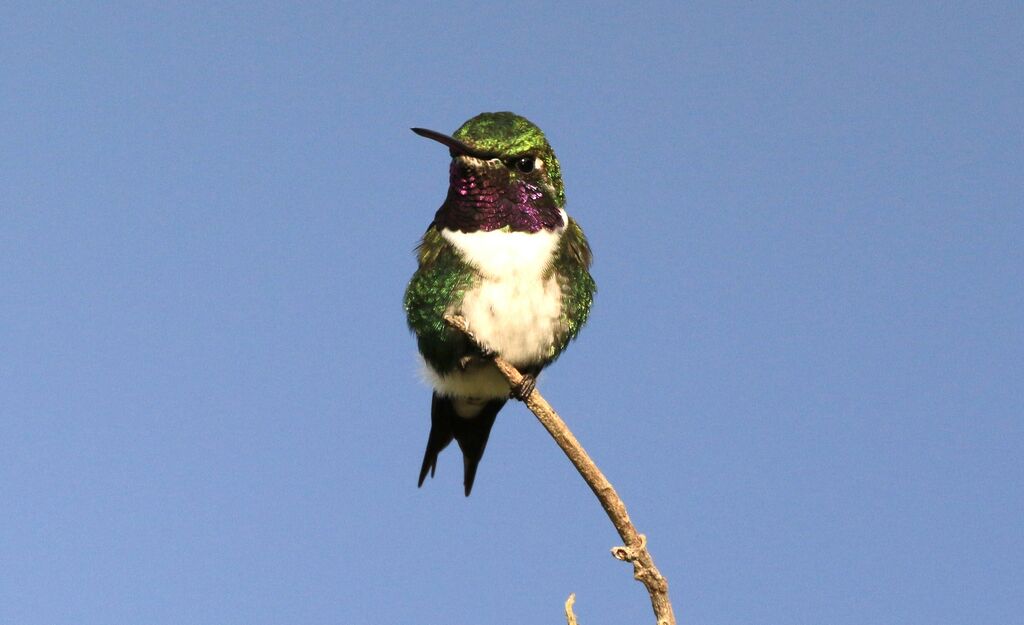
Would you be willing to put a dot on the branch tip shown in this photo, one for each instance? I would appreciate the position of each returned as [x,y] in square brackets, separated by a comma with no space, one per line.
[569,616]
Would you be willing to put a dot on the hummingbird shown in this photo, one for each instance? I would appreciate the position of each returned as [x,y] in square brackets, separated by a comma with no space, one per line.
[502,253]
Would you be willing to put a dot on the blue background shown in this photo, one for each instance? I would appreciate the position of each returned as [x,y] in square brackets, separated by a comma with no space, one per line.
[803,371]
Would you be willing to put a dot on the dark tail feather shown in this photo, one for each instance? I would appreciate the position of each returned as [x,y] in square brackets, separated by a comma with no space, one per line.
[470,433]
[440,435]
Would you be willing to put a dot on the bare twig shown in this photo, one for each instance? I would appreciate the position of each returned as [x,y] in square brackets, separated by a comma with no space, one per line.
[635,549]
[569,616]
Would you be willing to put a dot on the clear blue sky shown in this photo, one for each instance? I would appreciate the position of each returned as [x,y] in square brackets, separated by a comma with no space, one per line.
[803,371]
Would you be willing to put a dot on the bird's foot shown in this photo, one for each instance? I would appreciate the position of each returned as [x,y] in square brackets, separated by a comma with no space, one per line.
[484,356]
[525,387]
[487,354]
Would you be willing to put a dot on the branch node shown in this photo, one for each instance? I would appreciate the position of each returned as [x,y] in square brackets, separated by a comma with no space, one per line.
[630,553]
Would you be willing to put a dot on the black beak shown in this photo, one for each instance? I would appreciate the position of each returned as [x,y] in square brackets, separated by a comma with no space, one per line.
[456,147]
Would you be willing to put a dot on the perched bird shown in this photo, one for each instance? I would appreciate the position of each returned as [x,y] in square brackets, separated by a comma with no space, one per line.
[502,253]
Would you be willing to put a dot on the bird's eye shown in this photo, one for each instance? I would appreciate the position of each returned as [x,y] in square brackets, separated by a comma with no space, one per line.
[525,164]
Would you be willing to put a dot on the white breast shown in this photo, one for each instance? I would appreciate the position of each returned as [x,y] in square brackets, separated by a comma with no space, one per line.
[515,310]
[499,255]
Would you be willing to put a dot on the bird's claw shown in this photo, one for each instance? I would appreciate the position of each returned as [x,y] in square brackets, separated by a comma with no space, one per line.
[488,354]
[525,387]
[481,357]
